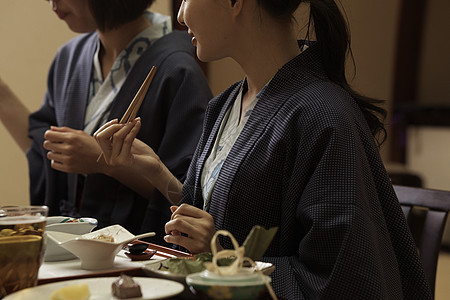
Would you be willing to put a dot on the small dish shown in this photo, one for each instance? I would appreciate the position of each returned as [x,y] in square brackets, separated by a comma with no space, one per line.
[53,251]
[244,285]
[97,249]
[145,255]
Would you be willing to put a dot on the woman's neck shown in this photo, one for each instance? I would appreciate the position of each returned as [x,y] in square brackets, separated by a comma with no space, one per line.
[116,40]
[263,53]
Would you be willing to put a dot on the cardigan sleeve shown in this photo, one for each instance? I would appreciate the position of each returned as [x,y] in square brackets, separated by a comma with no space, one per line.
[41,175]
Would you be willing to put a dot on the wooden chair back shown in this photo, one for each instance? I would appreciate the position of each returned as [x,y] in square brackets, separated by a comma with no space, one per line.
[426,211]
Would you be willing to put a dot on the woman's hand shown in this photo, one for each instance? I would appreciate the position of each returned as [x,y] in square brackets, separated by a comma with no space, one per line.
[197,224]
[134,163]
[121,149]
[72,151]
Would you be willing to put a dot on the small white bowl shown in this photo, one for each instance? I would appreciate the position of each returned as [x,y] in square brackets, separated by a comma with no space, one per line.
[95,253]
[53,251]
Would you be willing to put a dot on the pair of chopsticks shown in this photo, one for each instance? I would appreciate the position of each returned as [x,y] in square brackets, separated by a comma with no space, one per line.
[130,113]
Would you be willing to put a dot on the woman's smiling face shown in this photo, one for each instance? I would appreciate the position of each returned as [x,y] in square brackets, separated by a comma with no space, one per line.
[208,23]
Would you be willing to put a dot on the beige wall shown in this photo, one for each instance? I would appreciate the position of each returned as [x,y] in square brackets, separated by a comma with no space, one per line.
[373,25]
[31,35]
[434,76]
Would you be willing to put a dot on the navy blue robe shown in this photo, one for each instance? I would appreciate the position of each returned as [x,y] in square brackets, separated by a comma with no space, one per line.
[306,162]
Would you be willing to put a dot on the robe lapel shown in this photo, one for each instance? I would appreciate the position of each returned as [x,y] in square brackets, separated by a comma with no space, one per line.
[78,89]
[263,112]
[221,105]
[277,92]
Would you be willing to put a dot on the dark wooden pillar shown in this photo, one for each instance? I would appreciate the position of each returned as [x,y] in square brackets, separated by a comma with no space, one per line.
[406,72]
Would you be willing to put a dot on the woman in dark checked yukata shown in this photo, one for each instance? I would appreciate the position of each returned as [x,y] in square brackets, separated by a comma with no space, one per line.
[292,146]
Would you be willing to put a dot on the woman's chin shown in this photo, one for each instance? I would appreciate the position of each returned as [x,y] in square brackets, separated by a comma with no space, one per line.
[205,57]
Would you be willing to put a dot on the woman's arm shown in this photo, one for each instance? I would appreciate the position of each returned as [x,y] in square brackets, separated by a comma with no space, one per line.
[134,163]
[14,115]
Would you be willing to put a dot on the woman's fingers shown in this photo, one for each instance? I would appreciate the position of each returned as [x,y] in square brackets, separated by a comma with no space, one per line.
[104,137]
[106,125]
[196,225]
[116,140]
[188,210]
[122,140]
[181,224]
[182,241]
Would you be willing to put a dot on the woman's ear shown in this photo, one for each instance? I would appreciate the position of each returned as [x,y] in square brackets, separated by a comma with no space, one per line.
[236,6]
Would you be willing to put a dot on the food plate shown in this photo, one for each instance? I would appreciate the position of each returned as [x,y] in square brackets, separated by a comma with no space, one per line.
[100,288]
[153,269]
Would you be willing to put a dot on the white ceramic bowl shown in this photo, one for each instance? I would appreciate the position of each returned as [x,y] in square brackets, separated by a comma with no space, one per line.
[80,226]
[96,253]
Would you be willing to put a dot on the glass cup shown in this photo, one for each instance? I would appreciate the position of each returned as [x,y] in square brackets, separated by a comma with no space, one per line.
[21,246]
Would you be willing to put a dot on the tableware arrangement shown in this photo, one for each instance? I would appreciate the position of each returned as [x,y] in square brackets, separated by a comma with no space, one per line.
[97,249]
[55,252]
[21,246]
[100,288]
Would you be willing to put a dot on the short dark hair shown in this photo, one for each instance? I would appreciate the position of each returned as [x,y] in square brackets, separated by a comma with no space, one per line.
[110,14]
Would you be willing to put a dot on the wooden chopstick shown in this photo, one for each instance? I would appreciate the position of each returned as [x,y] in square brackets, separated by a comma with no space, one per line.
[133,108]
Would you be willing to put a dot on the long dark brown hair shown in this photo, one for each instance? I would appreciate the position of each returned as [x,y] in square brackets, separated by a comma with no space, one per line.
[333,38]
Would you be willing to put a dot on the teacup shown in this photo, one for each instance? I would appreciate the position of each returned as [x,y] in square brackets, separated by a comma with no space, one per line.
[21,246]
